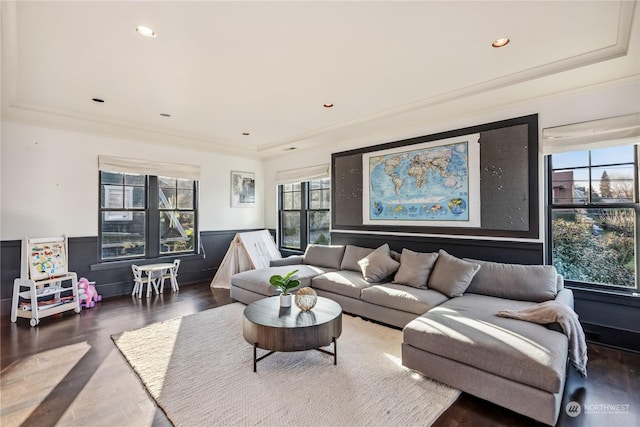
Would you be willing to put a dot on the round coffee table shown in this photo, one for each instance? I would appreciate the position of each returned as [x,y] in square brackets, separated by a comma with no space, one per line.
[268,326]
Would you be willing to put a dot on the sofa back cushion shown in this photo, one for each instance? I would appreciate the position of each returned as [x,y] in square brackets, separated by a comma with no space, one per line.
[324,255]
[452,275]
[536,283]
[353,254]
[415,268]
[378,265]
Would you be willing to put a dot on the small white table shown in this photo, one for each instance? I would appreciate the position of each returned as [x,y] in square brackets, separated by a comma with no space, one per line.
[162,267]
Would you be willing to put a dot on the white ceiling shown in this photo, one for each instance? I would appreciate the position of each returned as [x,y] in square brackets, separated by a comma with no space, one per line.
[224,68]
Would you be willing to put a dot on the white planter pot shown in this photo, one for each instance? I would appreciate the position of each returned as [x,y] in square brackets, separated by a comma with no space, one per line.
[285,300]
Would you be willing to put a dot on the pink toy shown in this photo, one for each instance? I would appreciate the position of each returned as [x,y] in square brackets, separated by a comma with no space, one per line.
[88,294]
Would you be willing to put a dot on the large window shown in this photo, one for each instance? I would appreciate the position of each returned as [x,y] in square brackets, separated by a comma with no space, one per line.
[145,216]
[304,214]
[594,215]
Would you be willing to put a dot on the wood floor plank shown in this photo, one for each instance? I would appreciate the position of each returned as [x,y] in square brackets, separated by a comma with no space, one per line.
[100,389]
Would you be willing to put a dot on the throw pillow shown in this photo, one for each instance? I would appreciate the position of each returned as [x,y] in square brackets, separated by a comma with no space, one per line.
[378,265]
[451,275]
[537,283]
[324,255]
[415,268]
[353,254]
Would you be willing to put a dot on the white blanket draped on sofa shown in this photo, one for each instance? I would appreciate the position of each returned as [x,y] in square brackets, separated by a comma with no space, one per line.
[552,312]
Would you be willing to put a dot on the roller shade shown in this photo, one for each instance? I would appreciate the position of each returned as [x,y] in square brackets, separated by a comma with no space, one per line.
[302,174]
[148,167]
[613,131]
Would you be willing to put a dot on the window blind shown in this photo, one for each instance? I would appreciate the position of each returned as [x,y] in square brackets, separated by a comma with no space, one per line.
[302,174]
[609,132]
[148,167]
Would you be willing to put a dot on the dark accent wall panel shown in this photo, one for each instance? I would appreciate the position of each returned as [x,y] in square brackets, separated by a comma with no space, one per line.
[609,319]
[508,182]
[9,267]
[489,250]
[504,175]
[347,190]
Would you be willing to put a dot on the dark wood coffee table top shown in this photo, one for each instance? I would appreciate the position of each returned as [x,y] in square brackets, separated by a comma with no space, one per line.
[268,326]
[267,312]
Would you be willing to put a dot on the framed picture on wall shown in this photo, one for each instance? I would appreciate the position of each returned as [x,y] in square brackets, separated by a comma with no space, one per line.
[243,189]
[435,184]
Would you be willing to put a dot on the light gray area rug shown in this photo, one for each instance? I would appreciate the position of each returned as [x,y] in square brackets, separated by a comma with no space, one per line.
[199,369]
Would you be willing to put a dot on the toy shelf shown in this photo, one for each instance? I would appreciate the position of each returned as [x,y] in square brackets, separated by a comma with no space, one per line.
[37,291]
[43,270]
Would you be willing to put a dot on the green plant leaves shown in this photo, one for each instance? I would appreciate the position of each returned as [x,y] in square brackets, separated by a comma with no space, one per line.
[284,283]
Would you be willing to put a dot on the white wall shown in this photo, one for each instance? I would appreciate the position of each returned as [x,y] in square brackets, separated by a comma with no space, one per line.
[49,177]
[598,103]
[50,181]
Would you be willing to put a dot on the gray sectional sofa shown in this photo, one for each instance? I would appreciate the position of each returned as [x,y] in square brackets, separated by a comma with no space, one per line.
[447,308]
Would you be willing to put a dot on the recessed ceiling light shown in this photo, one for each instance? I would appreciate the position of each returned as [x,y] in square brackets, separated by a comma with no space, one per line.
[145,31]
[246,133]
[289,148]
[165,115]
[97,100]
[501,42]
[327,105]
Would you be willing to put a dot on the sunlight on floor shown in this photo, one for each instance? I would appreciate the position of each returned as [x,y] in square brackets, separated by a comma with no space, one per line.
[115,393]
[395,359]
[398,361]
[27,382]
[159,342]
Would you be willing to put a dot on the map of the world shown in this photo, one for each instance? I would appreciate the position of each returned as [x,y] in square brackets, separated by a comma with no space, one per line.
[429,183]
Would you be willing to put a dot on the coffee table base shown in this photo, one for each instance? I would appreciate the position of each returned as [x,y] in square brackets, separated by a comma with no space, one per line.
[333,353]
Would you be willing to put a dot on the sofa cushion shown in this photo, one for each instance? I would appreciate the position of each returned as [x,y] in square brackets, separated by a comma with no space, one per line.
[415,268]
[451,275]
[353,254]
[403,298]
[324,255]
[537,283]
[343,282]
[258,280]
[378,265]
[290,260]
[467,330]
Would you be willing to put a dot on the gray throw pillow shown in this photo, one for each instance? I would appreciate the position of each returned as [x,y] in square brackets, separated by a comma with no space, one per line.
[353,254]
[378,265]
[537,283]
[451,275]
[324,255]
[415,268]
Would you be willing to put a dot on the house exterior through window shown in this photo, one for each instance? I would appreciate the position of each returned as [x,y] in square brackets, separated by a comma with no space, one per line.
[147,209]
[594,217]
[304,214]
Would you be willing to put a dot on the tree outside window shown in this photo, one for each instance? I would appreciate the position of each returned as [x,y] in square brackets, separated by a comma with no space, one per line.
[594,211]
[146,216]
[304,212]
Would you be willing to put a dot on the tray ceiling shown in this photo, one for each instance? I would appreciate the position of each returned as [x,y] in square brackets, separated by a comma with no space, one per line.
[221,69]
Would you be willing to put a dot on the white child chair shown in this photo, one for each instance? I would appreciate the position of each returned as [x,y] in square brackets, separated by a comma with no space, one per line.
[172,275]
[139,282]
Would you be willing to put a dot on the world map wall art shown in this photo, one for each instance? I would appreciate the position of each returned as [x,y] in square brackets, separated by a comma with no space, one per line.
[434,183]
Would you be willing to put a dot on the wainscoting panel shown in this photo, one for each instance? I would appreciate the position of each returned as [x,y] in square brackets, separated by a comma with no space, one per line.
[115,278]
[490,250]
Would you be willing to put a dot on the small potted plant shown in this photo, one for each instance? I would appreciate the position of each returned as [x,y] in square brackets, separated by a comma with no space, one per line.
[283,284]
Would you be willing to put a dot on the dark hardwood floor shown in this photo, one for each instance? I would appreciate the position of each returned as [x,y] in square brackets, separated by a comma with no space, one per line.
[83,380]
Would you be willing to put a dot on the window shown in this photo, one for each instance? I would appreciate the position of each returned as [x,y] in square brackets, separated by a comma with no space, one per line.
[145,216]
[304,213]
[594,216]
[177,214]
